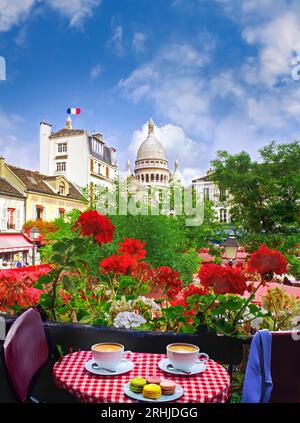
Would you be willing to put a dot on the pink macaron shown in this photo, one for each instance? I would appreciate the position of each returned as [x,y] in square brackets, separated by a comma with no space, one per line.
[167,387]
[154,379]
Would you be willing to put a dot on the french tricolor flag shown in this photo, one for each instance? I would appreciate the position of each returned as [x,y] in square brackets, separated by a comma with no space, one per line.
[73,111]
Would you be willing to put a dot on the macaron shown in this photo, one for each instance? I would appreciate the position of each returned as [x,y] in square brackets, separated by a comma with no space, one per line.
[153,379]
[167,387]
[152,391]
[137,384]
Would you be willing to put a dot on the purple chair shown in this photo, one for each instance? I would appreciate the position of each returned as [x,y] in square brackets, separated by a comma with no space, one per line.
[26,355]
[285,368]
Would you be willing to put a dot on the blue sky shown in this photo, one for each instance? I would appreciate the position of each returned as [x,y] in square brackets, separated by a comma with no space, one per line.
[213,74]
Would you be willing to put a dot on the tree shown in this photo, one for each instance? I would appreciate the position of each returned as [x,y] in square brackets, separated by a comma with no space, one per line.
[264,194]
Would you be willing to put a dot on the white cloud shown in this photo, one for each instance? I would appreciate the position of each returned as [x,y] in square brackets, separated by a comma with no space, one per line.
[273,28]
[174,84]
[15,12]
[75,10]
[12,147]
[116,42]
[138,42]
[278,41]
[96,71]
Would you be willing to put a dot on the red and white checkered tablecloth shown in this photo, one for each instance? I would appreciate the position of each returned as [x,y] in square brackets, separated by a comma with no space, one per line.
[211,386]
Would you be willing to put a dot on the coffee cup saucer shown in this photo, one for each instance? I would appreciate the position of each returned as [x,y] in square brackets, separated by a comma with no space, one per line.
[195,369]
[123,367]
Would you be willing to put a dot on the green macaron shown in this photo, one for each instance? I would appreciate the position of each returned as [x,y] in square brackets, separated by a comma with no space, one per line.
[137,384]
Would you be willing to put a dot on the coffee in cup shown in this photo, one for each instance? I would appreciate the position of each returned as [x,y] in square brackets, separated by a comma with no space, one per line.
[184,356]
[108,355]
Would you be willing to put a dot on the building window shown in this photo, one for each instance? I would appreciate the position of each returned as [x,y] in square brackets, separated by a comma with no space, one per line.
[206,193]
[11,214]
[99,168]
[62,188]
[39,212]
[97,146]
[147,177]
[223,215]
[152,177]
[60,166]
[157,177]
[62,148]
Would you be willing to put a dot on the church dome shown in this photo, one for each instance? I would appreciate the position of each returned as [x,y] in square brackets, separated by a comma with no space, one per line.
[151,148]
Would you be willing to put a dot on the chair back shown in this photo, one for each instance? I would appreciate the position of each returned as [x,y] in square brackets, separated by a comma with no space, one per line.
[25,350]
[285,368]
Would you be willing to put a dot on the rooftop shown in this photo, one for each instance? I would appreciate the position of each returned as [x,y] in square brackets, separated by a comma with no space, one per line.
[36,182]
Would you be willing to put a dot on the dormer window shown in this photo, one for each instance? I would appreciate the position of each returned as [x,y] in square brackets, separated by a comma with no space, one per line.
[62,188]
[97,146]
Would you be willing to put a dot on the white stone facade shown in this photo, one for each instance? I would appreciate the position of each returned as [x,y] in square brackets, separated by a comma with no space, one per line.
[151,165]
[210,191]
[81,157]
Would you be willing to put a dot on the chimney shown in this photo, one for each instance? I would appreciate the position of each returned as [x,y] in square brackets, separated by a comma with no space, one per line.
[2,165]
[98,136]
[45,132]
[113,156]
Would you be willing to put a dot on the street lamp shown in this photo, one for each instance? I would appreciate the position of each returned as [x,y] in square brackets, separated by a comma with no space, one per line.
[231,247]
[34,235]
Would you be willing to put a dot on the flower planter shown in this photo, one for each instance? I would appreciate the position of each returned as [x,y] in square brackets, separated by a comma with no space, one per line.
[75,336]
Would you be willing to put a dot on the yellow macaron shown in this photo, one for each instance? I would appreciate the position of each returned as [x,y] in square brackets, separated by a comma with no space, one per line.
[152,391]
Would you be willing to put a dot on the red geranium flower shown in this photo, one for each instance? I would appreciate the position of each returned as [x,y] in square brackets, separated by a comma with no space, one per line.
[223,279]
[265,261]
[167,279]
[195,290]
[93,223]
[142,271]
[118,264]
[133,247]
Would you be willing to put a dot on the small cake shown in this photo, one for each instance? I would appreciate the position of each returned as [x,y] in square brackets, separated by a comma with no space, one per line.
[167,387]
[137,384]
[152,391]
[153,379]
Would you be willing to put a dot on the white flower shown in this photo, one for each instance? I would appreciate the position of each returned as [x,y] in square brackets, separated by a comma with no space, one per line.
[150,302]
[128,320]
[256,323]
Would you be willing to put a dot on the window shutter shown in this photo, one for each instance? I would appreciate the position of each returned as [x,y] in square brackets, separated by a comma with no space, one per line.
[4,219]
[44,214]
[33,212]
[18,222]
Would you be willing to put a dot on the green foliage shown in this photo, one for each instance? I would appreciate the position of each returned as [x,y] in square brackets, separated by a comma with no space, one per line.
[264,195]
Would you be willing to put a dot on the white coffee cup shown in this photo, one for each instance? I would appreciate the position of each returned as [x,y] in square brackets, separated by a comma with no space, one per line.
[108,355]
[184,356]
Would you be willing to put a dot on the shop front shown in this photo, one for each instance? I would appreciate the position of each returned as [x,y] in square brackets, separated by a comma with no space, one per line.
[15,250]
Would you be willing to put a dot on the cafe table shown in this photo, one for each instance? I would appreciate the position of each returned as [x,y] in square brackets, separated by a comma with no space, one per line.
[210,386]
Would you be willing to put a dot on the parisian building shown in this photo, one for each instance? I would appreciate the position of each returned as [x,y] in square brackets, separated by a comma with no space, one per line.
[82,158]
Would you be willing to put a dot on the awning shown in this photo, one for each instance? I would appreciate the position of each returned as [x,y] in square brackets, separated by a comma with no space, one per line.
[14,242]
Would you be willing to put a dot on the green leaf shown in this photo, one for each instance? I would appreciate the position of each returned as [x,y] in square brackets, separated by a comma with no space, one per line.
[60,247]
[58,259]
[44,280]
